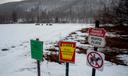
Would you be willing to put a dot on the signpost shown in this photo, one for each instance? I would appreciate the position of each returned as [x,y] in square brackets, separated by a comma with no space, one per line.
[67,53]
[36,49]
[100,32]
[97,39]
[37,52]
[95,60]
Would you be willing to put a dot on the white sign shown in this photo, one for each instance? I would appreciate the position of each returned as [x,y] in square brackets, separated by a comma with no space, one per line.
[96,41]
[95,60]
[97,37]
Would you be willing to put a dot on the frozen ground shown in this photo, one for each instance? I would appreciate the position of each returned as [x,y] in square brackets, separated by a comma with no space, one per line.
[15,60]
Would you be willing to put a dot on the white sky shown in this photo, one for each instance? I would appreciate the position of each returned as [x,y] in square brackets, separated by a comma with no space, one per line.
[5,1]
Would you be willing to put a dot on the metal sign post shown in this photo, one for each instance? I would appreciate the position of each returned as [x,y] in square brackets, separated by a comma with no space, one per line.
[38,68]
[67,54]
[97,39]
[95,48]
[67,69]
[93,69]
[38,65]
[37,53]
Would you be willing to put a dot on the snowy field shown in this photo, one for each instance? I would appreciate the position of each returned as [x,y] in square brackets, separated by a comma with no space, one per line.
[15,60]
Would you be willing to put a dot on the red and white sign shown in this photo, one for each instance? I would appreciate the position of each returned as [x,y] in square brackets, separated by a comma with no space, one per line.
[97,37]
[100,32]
[95,60]
[67,51]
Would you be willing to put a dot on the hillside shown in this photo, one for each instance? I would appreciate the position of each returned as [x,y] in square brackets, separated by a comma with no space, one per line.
[56,8]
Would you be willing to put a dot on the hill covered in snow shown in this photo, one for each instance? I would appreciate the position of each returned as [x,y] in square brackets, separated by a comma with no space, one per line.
[81,8]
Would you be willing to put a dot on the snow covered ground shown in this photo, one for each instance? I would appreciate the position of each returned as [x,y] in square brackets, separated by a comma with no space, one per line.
[15,60]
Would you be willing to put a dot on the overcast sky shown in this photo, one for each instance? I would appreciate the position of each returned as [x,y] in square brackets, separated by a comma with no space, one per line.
[5,1]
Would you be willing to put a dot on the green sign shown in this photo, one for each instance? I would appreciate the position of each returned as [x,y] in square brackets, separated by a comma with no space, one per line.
[36,49]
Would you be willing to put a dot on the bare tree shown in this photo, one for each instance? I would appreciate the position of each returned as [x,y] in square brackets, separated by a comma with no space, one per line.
[122,13]
[115,14]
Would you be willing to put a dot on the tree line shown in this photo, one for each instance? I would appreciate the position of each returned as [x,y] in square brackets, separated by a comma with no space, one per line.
[116,14]
[112,12]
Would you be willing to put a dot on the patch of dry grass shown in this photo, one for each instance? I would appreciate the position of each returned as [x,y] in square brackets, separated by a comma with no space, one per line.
[116,42]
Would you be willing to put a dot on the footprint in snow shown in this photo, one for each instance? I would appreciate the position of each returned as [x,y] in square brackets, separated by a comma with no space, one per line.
[5,49]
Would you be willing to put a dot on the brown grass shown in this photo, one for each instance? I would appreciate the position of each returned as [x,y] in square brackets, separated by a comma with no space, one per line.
[122,30]
[52,57]
[52,49]
[112,57]
[84,30]
[81,50]
[117,43]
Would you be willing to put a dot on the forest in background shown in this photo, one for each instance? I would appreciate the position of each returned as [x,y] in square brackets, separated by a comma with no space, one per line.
[65,11]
